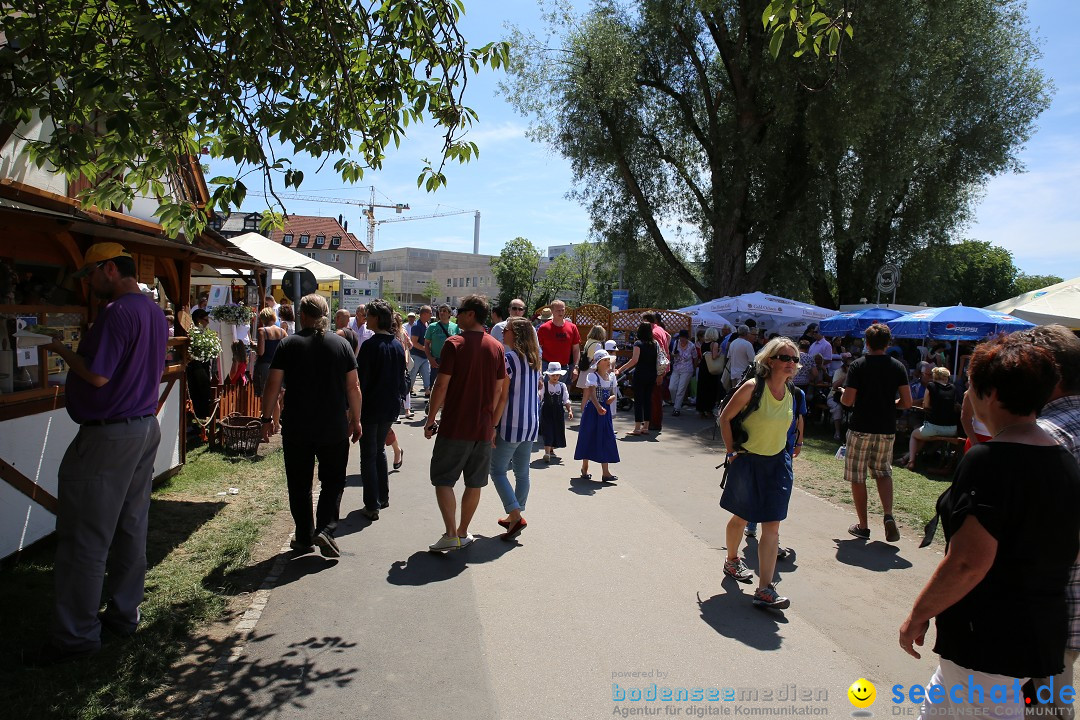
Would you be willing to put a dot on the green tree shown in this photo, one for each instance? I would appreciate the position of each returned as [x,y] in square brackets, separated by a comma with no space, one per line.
[133,87]
[431,291]
[677,120]
[556,279]
[515,271]
[1029,283]
[972,272]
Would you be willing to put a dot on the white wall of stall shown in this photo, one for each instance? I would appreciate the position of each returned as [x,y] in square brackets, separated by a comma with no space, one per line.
[35,445]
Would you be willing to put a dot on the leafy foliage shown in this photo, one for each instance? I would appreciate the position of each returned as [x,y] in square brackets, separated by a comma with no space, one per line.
[679,123]
[515,271]
[811,26]
[133,88]
[232,314]
[1030,283]
[204,344]
[971,272]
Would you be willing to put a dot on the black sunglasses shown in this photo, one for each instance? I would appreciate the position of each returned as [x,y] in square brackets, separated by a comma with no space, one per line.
[516,309]
[786,358]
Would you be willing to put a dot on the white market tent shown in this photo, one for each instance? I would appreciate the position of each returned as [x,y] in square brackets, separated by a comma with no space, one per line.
[776,314]
[278,256]
[1054,304]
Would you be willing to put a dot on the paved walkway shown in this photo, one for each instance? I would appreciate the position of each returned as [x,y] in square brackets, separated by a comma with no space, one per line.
[607,581]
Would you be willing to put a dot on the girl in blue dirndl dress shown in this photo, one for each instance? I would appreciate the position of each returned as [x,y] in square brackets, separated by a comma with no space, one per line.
[596,435]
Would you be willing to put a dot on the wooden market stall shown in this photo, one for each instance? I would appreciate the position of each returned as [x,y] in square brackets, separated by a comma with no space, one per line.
[44,234]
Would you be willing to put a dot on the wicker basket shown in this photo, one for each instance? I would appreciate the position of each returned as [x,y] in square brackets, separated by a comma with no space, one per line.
[241,434]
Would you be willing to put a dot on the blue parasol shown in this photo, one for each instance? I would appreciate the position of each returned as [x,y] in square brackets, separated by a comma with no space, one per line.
[855,323]
[955,323]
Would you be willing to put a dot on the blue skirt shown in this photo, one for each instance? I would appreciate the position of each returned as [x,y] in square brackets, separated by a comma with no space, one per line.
[596,437]
[758,487]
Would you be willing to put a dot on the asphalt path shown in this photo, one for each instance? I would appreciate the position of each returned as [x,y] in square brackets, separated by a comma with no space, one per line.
[611,589]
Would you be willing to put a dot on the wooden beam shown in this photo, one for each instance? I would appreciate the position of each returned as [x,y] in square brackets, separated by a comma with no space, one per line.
[29,488]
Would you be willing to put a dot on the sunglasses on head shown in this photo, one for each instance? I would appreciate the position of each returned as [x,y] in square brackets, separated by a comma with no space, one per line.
[786,358]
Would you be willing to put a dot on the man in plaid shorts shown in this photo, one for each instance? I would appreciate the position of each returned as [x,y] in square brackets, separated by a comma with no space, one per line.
[877,386]
[1061,418]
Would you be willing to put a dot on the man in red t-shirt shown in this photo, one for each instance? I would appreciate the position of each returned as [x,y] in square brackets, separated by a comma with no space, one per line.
[472,383]
[559,340]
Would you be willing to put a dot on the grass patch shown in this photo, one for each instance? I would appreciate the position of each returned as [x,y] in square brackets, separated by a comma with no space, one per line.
[914,494]
[198,546]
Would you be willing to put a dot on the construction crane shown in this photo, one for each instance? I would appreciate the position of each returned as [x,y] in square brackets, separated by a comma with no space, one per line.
[369,208]
[476,223]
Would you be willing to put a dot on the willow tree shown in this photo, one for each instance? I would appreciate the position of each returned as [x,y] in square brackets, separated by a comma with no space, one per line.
[131,86]
[787,172]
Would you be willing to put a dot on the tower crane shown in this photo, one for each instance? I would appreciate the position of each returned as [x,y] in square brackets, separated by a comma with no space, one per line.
[476,223]
[369,208]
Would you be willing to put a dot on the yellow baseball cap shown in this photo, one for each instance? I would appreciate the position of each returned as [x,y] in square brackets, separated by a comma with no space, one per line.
[99,253]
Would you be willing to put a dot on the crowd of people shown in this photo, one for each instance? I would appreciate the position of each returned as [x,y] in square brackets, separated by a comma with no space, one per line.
[495,387]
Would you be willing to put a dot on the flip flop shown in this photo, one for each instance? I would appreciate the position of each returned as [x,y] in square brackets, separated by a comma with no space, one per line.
[585,476]
[609,478]
[515,530]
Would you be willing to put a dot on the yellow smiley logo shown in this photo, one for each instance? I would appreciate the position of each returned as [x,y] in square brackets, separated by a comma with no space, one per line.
[862,693]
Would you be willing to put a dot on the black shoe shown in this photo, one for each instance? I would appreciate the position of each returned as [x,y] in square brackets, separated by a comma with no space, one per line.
[327,546]
[397,465]
[384,505]
[784,553]
[370,513]
[118,627]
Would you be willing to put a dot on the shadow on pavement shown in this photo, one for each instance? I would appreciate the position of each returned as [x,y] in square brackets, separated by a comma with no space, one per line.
[300,566]
[876,556]
[425,567]
[732,614]
[354,522]
[281,687]
[581,486]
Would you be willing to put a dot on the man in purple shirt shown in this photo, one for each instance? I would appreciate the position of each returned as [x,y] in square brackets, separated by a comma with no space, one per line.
[106,473]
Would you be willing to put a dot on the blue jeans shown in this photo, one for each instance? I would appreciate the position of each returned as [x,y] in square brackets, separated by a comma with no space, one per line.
[507,455]
[421,365]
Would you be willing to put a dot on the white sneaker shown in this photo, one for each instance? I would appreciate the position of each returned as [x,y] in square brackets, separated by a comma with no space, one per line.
[467,540]
[447,542]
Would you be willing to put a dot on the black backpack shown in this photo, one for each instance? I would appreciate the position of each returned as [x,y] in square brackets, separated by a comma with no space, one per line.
[738,434]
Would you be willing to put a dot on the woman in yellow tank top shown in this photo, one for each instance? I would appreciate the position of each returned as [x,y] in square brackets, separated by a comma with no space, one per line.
[759,476]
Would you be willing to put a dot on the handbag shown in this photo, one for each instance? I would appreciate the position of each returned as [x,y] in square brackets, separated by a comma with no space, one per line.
[662,362]
[715,365]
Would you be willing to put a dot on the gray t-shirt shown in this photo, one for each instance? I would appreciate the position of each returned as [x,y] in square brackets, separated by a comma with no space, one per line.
[740,354]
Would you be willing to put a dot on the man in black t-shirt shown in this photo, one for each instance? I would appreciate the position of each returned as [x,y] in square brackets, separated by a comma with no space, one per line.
[321,415]
[873,384]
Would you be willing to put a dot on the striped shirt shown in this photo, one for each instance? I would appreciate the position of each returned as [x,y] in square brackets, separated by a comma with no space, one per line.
[521,418]
[1061,418]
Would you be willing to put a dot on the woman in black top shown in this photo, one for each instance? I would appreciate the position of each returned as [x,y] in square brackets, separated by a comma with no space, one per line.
[1011,529]
[942,414]
[381,369]
[643,363]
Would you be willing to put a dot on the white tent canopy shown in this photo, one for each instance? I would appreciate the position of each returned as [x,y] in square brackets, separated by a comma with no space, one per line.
[1054,304]
[774,313]
[278,256]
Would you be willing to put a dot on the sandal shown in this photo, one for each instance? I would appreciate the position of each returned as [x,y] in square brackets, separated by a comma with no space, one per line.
[585,476]
[609,478]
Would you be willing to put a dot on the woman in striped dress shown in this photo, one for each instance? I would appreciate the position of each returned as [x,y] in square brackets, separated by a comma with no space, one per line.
[518,427]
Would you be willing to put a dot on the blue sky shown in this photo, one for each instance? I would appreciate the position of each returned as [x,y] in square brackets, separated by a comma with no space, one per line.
[519,187]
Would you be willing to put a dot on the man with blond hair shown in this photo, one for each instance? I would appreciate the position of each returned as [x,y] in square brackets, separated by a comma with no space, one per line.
[321,415]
